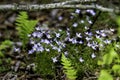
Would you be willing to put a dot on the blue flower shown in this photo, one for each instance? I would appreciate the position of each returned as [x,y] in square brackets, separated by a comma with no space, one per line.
[75,24]
[81,59]
[93,55]
[77,11]
[54,59]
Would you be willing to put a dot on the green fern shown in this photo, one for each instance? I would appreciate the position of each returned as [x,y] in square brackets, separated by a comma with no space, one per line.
[68,69]
[25,26]
[5,44]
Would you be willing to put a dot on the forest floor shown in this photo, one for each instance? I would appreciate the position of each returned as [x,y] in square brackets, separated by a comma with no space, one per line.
[19,67]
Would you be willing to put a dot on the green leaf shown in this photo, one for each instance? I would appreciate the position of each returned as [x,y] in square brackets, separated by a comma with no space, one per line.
[104,75]
[116,69]
[5,44]
[108,58]
[118,20]
[100,62]
[113,53]
[1,54]
[25,26]
[68,69]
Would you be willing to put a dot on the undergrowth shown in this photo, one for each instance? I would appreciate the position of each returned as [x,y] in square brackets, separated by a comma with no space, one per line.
[73,51]
[3,48]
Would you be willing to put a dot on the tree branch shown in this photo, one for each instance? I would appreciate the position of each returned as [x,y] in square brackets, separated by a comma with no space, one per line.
[60,5]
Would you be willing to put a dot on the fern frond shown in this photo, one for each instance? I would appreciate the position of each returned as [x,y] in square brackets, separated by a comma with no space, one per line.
[5,44]
[25,26]
[68,68]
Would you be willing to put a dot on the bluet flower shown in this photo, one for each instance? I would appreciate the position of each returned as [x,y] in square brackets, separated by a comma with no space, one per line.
[81,59]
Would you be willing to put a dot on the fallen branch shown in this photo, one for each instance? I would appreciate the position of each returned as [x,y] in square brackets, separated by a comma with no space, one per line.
[60,5]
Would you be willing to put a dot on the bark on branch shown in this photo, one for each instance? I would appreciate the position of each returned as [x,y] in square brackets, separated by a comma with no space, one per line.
[60,5]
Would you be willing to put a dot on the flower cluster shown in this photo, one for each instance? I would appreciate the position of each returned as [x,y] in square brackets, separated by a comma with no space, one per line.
[47,40]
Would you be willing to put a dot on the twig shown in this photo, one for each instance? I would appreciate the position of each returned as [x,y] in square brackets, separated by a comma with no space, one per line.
[92,78]
[78,1]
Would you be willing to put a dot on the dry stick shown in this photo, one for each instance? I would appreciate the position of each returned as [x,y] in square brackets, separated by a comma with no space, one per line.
[95,19]
[36,7]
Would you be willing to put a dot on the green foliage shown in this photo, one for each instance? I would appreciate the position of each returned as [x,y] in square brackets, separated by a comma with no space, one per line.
[108,57]
[4,68]
[44,64]
[1,54]
[5,65]
[104,75]
[75,52]
[5,44]
[25,26]
[118,21]
[116,69]
[68,69]
[110,61]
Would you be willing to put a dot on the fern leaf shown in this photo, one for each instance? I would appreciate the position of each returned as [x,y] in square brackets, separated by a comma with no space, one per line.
[25,26]
[5,44]
[68,69]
